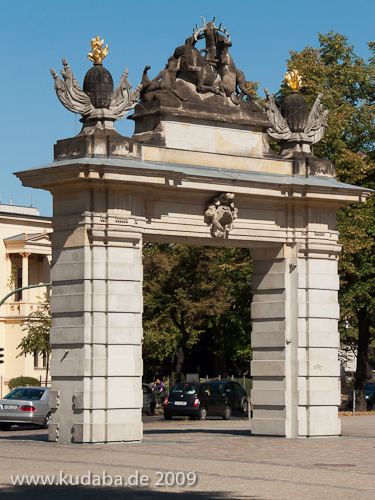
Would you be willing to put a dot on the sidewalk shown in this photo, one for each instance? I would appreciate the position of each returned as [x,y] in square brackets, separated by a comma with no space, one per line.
[227,460]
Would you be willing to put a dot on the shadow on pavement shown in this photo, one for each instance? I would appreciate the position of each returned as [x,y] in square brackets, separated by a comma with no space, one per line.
[95,493]
[178,430]
[23,433]
[28,434]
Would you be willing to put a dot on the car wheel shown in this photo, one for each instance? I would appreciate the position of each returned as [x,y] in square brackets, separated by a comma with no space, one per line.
[47,421]
[245,406]
[167,417]
[203,413]
[5,427]
[227,413]
[151,410]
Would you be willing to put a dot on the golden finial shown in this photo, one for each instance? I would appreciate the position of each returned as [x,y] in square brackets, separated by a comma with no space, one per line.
[98,53]
[293,80]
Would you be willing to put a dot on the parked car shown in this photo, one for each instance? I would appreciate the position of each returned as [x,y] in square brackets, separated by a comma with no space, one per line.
[196,400]
[149,402]
[369,396]
[25,405]
[235,392]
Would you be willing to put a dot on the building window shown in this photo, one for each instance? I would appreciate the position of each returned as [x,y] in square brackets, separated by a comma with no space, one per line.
[40,361]
[19,283]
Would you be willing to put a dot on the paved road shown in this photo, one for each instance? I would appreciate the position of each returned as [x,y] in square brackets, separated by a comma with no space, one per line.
[228,462]
[159,417]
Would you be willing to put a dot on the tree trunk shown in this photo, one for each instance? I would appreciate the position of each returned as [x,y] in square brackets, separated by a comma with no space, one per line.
[181,345]
[180,362]
[362,360]
[220,365]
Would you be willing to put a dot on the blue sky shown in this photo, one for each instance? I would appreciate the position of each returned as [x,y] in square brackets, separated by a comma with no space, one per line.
[37,34]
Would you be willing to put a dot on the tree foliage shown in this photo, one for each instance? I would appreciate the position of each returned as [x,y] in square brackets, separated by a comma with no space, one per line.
[37,325]
[347,82]
[189,291]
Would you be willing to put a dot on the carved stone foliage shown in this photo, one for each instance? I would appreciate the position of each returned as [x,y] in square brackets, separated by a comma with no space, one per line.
[312,131]
[190,71]
[295,127]
[221,214]
[97,102]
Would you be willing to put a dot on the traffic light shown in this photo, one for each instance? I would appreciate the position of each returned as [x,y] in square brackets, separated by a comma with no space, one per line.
[1,355]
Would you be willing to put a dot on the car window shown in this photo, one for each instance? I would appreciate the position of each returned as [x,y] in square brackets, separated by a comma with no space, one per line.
[185,389]
[206,390]
[146,389]
[30,394]
[229,387]
[214,391]
[236,386]
[209,390]
[370,386]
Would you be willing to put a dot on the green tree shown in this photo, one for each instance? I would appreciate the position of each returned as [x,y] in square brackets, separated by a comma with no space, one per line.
[347,82]
[231,330]
[37,325]
[186,290]
[12,280]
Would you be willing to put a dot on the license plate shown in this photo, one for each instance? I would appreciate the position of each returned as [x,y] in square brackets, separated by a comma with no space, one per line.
[180,403]
[10,407]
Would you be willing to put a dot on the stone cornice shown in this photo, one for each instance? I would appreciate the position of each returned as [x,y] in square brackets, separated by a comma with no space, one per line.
[178,176]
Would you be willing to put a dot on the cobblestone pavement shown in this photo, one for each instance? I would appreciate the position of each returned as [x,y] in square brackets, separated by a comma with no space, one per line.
[227,460]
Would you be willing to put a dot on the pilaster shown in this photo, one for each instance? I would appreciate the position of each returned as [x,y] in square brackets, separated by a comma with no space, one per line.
[295,341]
[96,334]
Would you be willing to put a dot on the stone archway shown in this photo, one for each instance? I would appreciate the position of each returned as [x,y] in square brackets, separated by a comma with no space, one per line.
[109,193]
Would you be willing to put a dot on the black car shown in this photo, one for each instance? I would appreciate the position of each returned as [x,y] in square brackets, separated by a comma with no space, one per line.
[149,402]
[196,400]
[235,392]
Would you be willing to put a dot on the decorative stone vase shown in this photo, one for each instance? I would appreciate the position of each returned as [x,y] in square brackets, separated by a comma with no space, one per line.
[295,111]
[98,85]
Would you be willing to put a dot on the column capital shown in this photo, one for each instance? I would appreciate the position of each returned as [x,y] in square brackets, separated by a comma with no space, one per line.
[25,255]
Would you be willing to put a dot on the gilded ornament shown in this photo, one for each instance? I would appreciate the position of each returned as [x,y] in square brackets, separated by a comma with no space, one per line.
[98,53]
[293,80]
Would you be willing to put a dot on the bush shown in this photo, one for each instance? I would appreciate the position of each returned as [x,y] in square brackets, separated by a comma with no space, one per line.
[24,381]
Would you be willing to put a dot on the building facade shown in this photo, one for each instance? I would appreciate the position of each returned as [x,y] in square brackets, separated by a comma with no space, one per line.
[25,257]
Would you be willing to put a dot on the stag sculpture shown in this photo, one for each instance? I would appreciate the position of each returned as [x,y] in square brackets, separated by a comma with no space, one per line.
[213,72]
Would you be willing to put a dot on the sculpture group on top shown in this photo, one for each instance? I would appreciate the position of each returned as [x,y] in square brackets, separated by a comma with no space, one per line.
[208,71]
[191,75]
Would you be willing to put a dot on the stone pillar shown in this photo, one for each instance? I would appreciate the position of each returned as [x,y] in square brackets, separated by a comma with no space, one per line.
[295,340]
[96,333]
[25,274]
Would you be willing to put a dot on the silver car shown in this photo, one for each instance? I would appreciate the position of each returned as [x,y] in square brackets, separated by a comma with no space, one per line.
[25,405]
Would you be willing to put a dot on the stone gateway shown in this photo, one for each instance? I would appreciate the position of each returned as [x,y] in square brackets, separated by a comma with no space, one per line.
[198,170]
